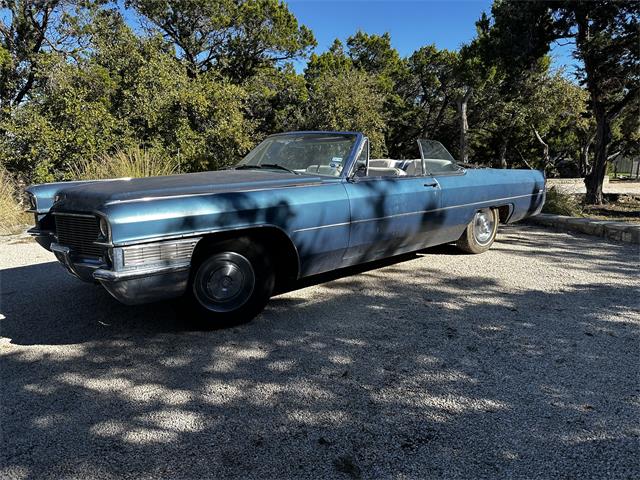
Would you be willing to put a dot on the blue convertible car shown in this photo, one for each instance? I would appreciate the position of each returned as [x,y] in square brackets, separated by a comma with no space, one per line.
[299,204]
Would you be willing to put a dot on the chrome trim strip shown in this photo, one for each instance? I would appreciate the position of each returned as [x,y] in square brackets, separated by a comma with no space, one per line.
[103,244]
[324,226]
[105,275]
[198,233]
[190,195]
[378,178]
[74,182]
[457,173]
[201,233]
[65,214]
[36,232]
[416,213]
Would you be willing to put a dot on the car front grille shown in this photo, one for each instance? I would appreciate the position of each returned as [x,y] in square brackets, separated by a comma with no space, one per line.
[78,233]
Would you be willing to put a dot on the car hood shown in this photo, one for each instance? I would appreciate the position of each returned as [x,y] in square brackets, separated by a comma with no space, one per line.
[91,196]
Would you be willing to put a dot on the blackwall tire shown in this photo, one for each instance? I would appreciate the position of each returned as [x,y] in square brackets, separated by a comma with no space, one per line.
[230,284]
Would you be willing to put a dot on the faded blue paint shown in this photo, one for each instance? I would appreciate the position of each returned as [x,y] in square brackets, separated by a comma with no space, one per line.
[332,222]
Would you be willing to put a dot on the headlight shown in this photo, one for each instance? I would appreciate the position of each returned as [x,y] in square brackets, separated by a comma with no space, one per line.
[104,228]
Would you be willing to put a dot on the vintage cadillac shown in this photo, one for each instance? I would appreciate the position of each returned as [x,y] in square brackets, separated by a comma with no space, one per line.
[299,204]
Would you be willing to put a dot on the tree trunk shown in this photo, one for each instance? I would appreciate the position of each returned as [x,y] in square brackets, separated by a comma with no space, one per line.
[503,154]
[546,157]
[464,128]
[462,102]
[594,180]
[583,163]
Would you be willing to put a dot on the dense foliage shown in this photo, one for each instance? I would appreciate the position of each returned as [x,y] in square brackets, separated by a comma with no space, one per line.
[605,34]
[198,82]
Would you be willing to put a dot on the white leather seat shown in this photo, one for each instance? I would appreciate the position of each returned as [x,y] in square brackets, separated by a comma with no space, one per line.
[386,172]
[384,163]
[408,167]
[413,167]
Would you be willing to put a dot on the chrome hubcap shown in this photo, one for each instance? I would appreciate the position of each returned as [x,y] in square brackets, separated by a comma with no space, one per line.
[483,226]
[224,282]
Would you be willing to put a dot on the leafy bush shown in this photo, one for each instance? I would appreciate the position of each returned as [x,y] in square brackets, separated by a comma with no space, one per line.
[12,215]
[134,162]
[348,101]
[128,93]
[561,204]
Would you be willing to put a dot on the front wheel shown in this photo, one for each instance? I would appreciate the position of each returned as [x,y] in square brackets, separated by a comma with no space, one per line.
[231,284]
[480,233]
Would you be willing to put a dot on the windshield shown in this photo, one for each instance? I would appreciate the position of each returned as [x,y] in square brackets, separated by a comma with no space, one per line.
[317,153]
[437,158]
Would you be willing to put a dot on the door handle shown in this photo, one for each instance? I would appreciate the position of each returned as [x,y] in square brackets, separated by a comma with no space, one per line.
[432,184]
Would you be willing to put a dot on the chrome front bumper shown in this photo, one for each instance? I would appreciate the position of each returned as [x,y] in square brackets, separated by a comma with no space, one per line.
[82,268]
[143,284]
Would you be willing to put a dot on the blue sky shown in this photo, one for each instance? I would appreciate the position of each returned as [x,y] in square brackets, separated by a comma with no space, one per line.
[411,24]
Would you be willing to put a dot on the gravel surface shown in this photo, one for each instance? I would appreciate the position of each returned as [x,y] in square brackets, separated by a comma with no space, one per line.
[523,362]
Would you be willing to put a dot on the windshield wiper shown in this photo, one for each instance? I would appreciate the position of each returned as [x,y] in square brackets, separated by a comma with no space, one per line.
[245,167]
[267,165]
[275,165]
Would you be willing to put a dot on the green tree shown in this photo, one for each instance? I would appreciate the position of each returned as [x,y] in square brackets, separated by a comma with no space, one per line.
[236,37]
[33,31]
[70,122]
[23,41]
[347,101]
[276,99]
[606,41]
[375,55]
[429,93]
[553,123]
[334,61]
[126,91]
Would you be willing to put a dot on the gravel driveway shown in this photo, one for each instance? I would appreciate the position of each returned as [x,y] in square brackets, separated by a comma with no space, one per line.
[523,362]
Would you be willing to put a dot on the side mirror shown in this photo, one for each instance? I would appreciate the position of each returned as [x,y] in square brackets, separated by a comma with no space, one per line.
[359,171]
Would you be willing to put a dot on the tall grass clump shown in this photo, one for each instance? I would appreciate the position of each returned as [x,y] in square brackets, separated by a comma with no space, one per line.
[559,203]
[12,215]
[133,162]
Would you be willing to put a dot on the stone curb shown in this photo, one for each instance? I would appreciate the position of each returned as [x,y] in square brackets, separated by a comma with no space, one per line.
[618,231]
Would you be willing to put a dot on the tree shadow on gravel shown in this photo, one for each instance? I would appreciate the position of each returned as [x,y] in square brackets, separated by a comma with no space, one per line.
[411,369]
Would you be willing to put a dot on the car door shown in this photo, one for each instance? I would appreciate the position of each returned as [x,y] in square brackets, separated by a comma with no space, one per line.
[391,212]
[458,190]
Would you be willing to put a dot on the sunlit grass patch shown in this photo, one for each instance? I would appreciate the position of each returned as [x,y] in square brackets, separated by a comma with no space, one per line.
[133,162]
[13,218]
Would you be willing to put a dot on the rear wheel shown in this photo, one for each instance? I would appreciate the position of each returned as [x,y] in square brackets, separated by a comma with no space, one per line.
[230,284]
[480,233]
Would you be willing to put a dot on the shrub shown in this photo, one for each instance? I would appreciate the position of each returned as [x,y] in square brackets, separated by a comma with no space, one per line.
[134,162]
[12,216]
[561,204]
[350,100]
